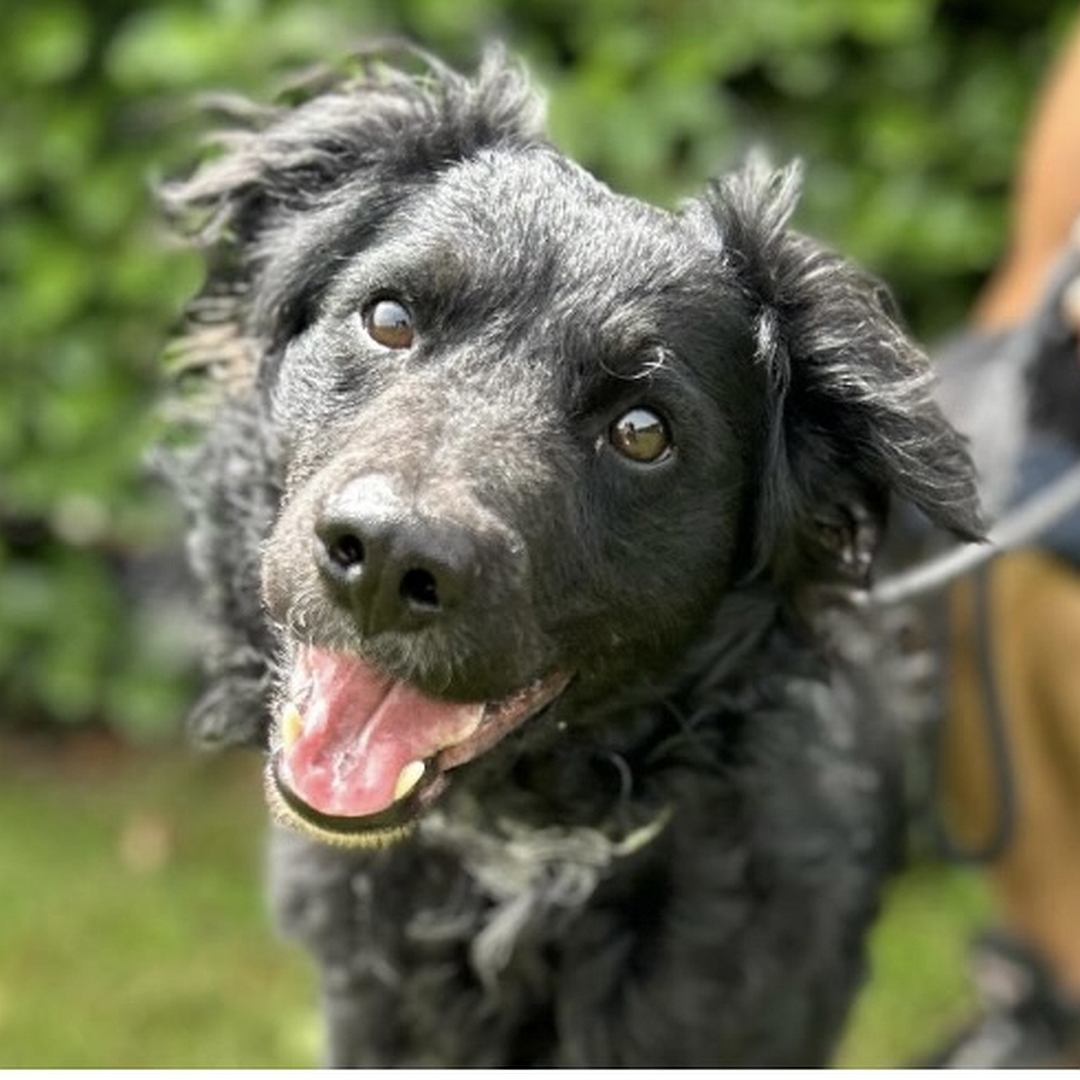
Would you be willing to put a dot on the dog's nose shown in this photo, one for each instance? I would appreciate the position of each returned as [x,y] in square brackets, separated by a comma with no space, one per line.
[393,566]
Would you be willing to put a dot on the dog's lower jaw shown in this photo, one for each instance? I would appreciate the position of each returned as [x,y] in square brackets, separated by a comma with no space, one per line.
[376,831]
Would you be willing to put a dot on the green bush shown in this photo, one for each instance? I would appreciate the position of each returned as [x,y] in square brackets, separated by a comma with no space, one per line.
[908,114]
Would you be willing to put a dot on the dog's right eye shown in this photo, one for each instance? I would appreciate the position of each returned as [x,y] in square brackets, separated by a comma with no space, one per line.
[389,323]
[641,435]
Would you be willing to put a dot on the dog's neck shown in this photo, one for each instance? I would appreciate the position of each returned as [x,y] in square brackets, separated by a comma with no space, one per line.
[527,877]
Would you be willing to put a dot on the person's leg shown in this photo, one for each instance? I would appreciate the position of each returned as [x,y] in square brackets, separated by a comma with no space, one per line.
[1045,199]
[1035,634]
[1036,642]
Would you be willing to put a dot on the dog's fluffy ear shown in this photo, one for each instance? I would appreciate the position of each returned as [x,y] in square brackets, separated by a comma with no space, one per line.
[326,165]
[850,416]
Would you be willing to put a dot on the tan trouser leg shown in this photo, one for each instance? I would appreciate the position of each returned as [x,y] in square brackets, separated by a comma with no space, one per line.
[1036,645]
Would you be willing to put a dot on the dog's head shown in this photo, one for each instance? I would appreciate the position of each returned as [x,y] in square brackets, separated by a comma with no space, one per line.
[530,431]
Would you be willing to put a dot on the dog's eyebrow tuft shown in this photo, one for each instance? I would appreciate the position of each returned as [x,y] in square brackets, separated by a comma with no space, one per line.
[638,365]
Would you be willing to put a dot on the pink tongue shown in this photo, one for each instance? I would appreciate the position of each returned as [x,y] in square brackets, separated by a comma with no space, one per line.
[360,730]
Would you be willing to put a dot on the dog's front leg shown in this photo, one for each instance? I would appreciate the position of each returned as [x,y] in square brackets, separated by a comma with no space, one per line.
[322,897]
[713,955]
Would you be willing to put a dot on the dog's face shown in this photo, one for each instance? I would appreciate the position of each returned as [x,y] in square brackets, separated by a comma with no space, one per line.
[516,434]
[530,431]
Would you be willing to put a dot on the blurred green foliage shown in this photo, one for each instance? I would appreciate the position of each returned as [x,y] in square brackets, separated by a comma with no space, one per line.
[907,112]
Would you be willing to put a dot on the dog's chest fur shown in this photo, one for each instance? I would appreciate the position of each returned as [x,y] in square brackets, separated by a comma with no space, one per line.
[742,823]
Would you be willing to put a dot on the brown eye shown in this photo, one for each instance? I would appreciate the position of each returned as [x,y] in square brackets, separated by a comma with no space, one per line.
[389,323]
[641,435]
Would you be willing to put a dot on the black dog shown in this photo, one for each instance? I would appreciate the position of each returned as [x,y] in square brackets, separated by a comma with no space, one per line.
[527,520]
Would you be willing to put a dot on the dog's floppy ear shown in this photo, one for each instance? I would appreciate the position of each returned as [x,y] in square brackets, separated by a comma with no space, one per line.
[320,170]
[850,418]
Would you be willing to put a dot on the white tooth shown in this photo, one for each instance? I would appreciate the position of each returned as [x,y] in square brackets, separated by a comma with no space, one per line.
[292,725]
[409,778]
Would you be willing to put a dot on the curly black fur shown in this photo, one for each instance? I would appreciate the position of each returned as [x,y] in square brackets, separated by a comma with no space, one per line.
[677,861]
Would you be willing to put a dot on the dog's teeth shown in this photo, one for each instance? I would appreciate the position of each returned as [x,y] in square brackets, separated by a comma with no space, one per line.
[409,778]
[292,725]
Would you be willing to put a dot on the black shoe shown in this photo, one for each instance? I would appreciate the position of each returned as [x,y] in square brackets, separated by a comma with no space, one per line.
[1027,1021]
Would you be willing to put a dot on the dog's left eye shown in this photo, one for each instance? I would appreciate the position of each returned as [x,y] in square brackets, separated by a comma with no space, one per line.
[641,435]
[389,323]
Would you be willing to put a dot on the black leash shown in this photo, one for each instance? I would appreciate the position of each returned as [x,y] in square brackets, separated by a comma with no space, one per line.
[1021,525]
[1004,828]
[1026,522]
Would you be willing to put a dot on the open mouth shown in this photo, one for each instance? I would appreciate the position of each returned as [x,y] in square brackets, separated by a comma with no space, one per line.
[357,756]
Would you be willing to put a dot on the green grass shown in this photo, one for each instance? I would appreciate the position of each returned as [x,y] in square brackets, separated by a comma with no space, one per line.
[133,930]
[134,934]
[919,991]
